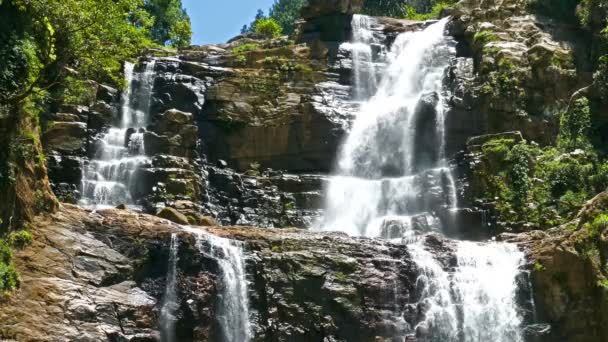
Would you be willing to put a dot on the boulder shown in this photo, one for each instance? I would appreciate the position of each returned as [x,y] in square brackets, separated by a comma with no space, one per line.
[65,137]
[107,94]
[173,216]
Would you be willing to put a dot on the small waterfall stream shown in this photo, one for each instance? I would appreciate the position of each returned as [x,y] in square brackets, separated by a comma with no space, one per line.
[108,179]
[233,307]
[392,168]
[169,304]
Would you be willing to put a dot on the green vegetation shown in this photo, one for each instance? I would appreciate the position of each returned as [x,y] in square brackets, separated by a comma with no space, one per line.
[485,36]
[389,8]
[9,278]
[245,48]
[52,43]
[20,239]
[575,124]
[544,186]
[171,23]
[341,277]
[50,48]
[268,28]
[283,12]
[438,6]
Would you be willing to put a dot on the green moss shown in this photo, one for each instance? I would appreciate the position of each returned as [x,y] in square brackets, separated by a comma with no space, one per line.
[303,68]
[491,50]
[412,14]
[505,64]
[240,59]
[538,267]
[20,239]
[245,48]
[484,37]
[289,206]
[341,277]
[574,125]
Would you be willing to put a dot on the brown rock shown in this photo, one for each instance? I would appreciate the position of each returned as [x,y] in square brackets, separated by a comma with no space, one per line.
[173,216]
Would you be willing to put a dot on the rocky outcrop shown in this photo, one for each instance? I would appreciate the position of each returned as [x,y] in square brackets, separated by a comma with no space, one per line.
[515,55]
[25,190]
[568,265]
[103,276]
[265,199]
[70,137]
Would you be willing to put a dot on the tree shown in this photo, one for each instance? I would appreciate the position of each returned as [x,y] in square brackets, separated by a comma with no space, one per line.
[251,27]
[574,125]
[87,39]
[286,12]
[171,22]
[389,8]
[268,28]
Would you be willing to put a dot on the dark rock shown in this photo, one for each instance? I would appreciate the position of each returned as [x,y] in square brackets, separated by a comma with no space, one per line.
[319,8]
[107,94]
[65,137]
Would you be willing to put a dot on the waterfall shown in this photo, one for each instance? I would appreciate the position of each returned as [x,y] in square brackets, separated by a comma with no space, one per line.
[485,283]
[364,70]
[382,164]
[233,307]
[108,179]
[392,168]
[169,305]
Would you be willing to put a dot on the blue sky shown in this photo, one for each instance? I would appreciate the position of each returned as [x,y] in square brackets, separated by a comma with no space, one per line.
[216,21]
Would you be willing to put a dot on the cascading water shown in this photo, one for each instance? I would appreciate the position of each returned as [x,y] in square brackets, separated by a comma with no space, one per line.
[485,285]
[233,314]
[169,306]
[392,168]
[380,167]
[364,70]
[108,178]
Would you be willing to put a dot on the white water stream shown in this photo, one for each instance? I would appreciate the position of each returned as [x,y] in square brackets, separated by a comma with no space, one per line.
[108,179]
[383,177]
[169,304]
[233,308]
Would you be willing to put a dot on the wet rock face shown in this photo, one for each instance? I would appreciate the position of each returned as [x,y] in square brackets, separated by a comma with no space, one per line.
[270,199]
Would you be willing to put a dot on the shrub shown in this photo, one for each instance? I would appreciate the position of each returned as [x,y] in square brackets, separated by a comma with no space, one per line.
[9,278]
[268,28]
[519,174]
[485,36]
[20,239]
[412,14]
[600,78]
[6,253]
[245,48]
[574,125]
